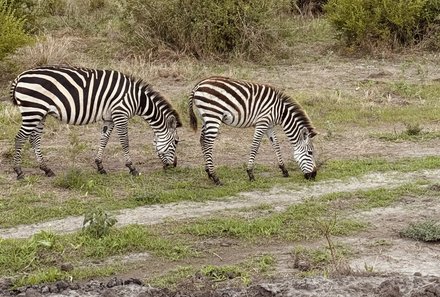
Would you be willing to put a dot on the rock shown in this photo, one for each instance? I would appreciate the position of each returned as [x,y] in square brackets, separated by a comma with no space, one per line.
[31,292]
[66,267]
[62,285]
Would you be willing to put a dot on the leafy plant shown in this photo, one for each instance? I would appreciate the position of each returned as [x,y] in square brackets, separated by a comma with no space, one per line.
[12,33]
[98,223]
[425,231]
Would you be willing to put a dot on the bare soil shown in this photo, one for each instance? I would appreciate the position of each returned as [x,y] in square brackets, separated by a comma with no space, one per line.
[384,264]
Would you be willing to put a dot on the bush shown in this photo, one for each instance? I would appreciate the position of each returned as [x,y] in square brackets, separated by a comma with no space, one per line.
[390,22]
[201,27]
[12,33]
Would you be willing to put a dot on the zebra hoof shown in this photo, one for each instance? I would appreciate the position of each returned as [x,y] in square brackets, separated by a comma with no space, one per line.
[285,173]
[20,176]
[251,175]
[102,171]
[50,173]
[134,172]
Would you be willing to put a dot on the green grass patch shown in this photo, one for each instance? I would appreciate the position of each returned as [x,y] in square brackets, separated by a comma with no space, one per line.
[298,222]
[428,230]
[41,255]
[53,274]
[244,271]
[306,220]
[368,199]
[77,192]
[373,105]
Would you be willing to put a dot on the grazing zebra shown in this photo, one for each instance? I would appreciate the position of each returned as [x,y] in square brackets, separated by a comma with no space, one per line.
[243,104]
[79,96]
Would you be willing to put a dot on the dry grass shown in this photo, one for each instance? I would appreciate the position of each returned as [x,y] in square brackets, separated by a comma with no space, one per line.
[47,50]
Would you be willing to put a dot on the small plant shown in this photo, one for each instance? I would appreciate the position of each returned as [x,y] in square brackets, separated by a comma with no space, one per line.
[425,231]
[98,223]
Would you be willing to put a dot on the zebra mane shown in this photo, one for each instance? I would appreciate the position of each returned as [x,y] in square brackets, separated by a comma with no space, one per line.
[147,88]
[298,110]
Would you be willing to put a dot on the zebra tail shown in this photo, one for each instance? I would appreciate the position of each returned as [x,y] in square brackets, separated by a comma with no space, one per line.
[12,91]
[192,116]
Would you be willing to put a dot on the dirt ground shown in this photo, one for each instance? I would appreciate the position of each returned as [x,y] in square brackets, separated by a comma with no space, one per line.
[384,264]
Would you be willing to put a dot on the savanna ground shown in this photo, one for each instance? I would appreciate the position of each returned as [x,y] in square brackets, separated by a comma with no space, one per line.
[177,234]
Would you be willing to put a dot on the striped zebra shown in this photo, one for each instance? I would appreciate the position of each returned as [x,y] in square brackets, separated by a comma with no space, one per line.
[243,104]
[80,96]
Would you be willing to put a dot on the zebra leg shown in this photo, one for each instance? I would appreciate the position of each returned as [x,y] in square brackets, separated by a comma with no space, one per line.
[258,135]
[105,135]
[207,138]
[122,129]
[20,139]
[276,146]
[35,140]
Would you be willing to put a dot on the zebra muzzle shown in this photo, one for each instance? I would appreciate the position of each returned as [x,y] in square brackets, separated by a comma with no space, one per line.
[310,175]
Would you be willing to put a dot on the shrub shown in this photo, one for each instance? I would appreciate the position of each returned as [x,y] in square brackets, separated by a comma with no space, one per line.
[12,33]
[201,27]
[390,22]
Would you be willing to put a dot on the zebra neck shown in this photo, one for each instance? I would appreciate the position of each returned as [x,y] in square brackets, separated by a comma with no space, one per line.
[292,122]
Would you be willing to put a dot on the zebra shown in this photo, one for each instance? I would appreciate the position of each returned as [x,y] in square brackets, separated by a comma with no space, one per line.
[244,104]
[80,96]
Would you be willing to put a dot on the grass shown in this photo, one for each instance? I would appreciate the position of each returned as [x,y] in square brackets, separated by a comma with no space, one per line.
[298,222]
[244,272]
[40,256]
[305,220]
[77,191]
[372,105]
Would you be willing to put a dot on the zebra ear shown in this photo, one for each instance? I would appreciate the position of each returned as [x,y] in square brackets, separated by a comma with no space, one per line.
[172,122]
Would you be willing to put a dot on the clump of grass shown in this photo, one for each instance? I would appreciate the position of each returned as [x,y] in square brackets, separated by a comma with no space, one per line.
[413,129]
[47,50]
[428,231]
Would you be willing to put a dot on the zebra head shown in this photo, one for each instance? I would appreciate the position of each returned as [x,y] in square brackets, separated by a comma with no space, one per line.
[166,140]
[303,153]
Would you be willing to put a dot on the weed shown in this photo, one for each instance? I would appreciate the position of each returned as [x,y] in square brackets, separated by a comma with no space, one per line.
[428,230]
[98,223]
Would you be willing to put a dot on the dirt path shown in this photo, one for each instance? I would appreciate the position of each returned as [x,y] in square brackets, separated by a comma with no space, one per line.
[278,197]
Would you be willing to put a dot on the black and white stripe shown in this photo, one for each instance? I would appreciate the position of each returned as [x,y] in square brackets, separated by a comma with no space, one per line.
[243,104]
[79,96]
